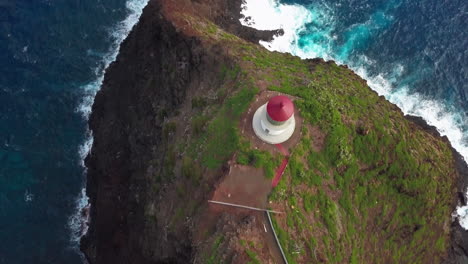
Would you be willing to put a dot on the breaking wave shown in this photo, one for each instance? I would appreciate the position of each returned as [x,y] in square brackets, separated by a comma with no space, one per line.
[309,32]
[78,222]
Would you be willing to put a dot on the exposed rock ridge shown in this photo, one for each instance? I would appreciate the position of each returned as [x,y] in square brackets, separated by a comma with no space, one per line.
[143,87]
[458,252]
[157,67]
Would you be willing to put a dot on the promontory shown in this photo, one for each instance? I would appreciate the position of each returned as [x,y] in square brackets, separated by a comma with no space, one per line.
[177,173]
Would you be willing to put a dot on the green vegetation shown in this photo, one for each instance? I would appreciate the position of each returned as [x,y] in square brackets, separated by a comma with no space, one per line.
[249,250]
[222,131]
[214,258]
[377,189]
[287,243]
[199,102]
[374,190]
[372,187]
[191,169]
[259,159]
[198,124]
[169,129]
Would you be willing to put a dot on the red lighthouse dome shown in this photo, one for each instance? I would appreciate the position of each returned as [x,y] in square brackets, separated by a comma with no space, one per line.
[280,108]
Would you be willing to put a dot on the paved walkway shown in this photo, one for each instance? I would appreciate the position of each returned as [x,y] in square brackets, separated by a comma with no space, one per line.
[280,170]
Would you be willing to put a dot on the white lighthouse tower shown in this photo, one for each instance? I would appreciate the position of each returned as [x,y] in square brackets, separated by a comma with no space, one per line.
[274,121]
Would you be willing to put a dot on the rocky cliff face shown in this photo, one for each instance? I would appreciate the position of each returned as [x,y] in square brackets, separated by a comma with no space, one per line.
[156,67]
[458,251]
[137,174]
[145,85]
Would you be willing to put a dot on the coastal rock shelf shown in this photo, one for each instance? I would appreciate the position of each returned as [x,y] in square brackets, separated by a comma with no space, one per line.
[172,130]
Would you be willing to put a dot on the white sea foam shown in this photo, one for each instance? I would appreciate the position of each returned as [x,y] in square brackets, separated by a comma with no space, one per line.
[78,221]
[270,15]
[28,196]
[292,19]
[118,34]
[462,215]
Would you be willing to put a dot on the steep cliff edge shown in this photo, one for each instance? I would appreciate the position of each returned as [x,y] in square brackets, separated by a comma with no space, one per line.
[166,132]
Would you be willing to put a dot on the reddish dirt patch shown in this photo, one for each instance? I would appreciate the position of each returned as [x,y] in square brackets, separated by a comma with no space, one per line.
[283,150]
[175,11]
[262,84]
[243,185]
[246,186]
[247,129]
[279,172]
[318,138]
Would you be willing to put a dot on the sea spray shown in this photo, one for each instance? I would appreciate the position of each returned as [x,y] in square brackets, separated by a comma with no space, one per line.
[462,215]
[78,222]
[308,33]
[269,15]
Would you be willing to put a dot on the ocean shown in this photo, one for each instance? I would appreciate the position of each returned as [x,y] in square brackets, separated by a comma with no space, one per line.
[54,54]
[412,52]
[53,58]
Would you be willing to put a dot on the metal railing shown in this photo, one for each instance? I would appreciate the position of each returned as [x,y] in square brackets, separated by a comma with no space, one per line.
[276,238]
[269,221]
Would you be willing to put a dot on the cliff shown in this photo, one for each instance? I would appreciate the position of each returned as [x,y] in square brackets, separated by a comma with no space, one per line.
[364,184]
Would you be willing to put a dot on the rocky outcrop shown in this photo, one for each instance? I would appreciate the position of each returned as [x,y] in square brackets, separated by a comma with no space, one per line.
[145,86]
[458,251]
[158,70]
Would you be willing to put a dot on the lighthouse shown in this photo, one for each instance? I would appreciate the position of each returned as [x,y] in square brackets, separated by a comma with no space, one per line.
[274,121]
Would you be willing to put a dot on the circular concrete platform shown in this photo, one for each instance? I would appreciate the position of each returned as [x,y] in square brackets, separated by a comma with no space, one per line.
[268,132]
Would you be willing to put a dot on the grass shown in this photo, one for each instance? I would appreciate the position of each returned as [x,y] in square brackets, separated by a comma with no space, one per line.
[214,257]
[379,191]
[223,130]
[391,170]
[191,170]
[249,250]
[258,158]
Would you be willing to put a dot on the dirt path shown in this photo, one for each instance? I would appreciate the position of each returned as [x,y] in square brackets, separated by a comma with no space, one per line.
[279,172]
[244,185]
[248,186]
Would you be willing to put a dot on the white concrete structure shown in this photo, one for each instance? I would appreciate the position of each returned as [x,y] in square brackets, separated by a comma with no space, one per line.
[274,121]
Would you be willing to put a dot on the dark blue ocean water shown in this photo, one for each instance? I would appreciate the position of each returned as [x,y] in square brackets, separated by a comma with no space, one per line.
[52,55]
[427,39]
[412,52]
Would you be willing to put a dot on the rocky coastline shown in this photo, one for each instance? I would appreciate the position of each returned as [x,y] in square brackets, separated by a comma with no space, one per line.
[458,252]
[160,68]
